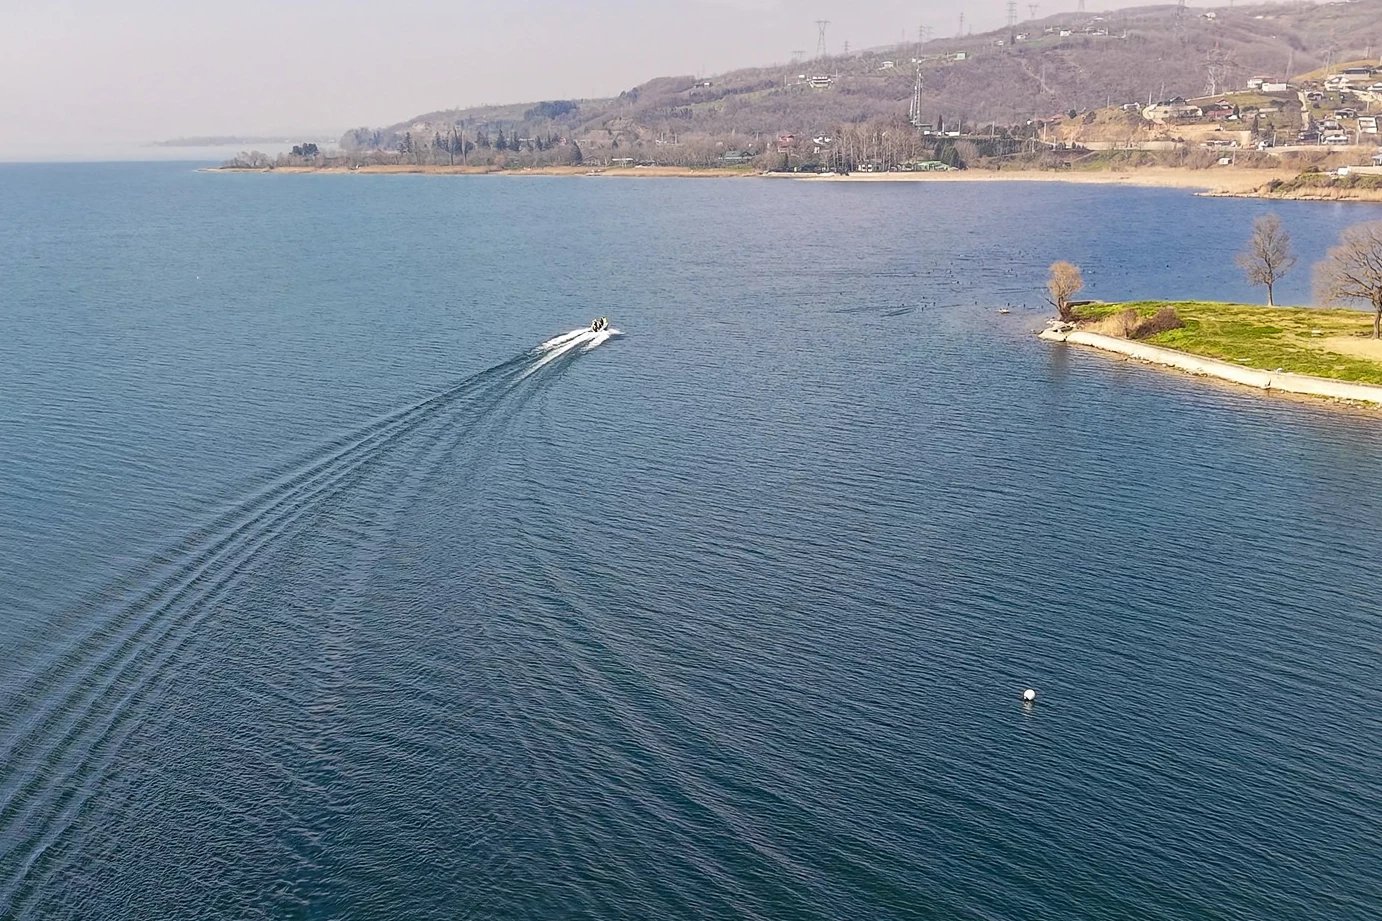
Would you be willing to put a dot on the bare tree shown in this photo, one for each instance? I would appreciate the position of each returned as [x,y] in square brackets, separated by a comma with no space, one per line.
[1268,256]
[1352,271]
[1065,282]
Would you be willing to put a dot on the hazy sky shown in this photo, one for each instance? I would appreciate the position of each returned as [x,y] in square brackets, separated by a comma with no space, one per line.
[103,77]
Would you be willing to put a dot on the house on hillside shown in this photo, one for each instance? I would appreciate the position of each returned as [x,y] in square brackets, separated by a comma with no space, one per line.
[1276,87]
[786,142]
[1367,124]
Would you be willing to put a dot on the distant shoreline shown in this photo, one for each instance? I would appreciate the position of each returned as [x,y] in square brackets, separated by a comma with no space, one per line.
[1219,181]
[434,170]
[1215,182]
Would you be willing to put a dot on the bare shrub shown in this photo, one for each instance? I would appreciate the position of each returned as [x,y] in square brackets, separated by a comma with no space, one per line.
[1163,320]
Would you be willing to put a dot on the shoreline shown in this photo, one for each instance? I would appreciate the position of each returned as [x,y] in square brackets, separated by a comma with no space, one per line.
[1338,196]
[1273,382]
[676,172]
[1213,182]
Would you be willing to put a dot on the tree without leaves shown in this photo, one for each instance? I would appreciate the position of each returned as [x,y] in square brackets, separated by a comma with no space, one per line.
[1065,282]
[1352,271]
[1268,256]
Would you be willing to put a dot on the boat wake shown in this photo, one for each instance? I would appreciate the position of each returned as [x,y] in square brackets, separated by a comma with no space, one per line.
[557,347]
[65,718]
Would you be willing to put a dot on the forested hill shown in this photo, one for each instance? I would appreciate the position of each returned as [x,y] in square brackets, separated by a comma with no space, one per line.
[1005,77]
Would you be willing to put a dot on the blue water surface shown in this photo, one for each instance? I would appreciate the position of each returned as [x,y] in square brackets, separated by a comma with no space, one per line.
[321,598]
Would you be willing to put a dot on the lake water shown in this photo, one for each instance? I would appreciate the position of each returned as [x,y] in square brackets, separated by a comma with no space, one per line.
[320,598]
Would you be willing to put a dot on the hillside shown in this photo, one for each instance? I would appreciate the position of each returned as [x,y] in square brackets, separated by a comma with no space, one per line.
[999,83]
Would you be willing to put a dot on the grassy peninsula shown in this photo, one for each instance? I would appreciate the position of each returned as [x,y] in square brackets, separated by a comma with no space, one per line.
[1329,343]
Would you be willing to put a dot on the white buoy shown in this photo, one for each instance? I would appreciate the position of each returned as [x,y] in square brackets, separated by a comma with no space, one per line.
[1028,695]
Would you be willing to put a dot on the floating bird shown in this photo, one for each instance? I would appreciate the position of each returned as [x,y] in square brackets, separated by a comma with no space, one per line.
[1028,696]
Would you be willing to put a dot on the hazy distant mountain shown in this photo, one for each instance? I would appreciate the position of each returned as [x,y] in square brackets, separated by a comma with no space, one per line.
[1033,70]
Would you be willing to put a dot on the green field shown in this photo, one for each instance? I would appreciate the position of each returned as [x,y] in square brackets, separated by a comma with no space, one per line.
[1299,339]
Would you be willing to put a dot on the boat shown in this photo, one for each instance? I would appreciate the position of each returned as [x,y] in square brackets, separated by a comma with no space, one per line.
[599,325]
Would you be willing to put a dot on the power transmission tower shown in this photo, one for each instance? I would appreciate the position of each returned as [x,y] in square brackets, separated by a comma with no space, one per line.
[1032,10]
[1012,13]
[962,25]
[821,26]
[1330,52]
[1218,70]
[1080,7]
[797,55]
[846,48]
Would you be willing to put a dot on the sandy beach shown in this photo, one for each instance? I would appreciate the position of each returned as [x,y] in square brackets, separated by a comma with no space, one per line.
[1215,181]
[1218,180]
[458,170]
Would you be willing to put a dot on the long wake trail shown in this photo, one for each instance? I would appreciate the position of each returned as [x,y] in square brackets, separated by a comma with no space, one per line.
[62,725]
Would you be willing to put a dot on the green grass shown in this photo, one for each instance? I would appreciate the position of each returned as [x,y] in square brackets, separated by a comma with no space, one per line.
[1261,337]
